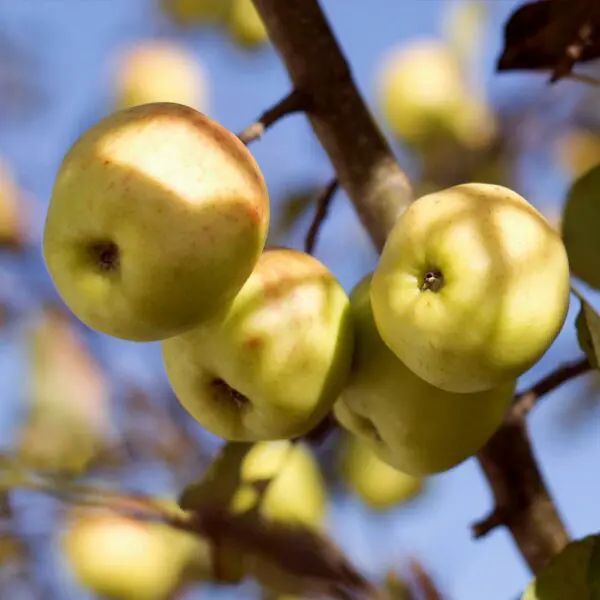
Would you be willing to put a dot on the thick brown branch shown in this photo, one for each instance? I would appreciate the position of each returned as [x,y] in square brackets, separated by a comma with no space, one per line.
[522,501]
[292,103]
[323,202]
[360,155]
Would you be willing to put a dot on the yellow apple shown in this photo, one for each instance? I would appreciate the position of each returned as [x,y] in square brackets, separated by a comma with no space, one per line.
[379,485]
[158,216]
[271,366]
[472,287]
[573,573]
[124,559]
[411,425]
[194,12]
[246,25]
[420,89]
[158,70]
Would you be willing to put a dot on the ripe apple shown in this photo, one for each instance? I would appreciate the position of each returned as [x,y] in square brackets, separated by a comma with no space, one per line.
[246,25]
[411,425]
[379,485]
[194,12]
[570,574]
[296,492]
[421,89]
[125,559]
[472,287]
[159,71]
[271,366]
[157,218]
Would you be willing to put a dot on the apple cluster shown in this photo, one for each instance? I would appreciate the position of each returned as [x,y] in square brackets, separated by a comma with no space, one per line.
[156,231]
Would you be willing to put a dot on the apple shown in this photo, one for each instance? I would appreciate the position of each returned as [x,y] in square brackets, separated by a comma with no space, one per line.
[124,559]
[296,492]
[570,574]
[158,216]
[378,485]
[411,425]
[471,288]
[194,12]
[272,364]
[245,24]
[158,70]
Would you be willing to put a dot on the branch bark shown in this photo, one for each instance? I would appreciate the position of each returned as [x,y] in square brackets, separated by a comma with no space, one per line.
[364,162]
[380,191]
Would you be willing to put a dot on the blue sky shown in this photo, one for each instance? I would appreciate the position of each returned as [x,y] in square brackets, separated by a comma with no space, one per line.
[73,42]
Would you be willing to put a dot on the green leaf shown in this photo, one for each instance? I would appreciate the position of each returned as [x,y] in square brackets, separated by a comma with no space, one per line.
[593,575]
[588,332]
[580,227]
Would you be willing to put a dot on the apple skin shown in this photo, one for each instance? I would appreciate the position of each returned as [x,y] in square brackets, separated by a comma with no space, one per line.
[568,575]
[411,425]
[246,25]
[159,71]
[378,485]
[274,363]
[504,289]
[157,218]
[124,559]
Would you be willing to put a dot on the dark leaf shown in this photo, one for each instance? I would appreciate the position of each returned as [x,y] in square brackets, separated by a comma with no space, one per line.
[551,35]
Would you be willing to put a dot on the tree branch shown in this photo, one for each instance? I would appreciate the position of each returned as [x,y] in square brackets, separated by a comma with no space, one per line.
[380,191]
[292,103]
[361,157]
[323,202]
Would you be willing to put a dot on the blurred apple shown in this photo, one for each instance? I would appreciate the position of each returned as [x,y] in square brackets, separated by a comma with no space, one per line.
[577,151]
[376,483]
[424,96]
[195,12]
[124,559]
[246,25]
[68,419]
[158,70]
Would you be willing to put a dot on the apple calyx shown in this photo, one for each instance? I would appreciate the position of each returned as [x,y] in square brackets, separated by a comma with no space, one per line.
[224,391]
[433,281]
[105,255]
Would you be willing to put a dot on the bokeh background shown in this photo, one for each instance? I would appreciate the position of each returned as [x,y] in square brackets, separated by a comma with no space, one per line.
[64,387]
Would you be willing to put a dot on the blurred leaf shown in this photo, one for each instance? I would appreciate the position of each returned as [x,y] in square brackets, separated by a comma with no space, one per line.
[588,332]
[290,209]
[195,12]
[551,35]
[69,398]
[396,588]
[464,26]
[581,227]
[578,150]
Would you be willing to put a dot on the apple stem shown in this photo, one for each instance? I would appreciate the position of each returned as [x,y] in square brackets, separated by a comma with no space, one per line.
[433,281]
[106,255]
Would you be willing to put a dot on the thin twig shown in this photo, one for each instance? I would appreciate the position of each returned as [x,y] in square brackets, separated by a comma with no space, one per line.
[525,401]
[323,203]
[292,103]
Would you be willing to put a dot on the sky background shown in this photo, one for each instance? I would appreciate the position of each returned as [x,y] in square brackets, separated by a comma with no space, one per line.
[72,44]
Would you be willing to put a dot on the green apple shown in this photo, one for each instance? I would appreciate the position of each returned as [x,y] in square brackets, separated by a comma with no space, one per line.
[124,559]
[472,287]
[246,25]
[159,71]
[194,12]
[379,485]
[421,89]
[296,492]
[158,216]
[411,425]
[573,573]
[272,364]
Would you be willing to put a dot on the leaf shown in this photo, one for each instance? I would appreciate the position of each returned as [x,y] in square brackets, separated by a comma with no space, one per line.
[551,35]
[285,557]
[581,227]
[588,332]
[593,574]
